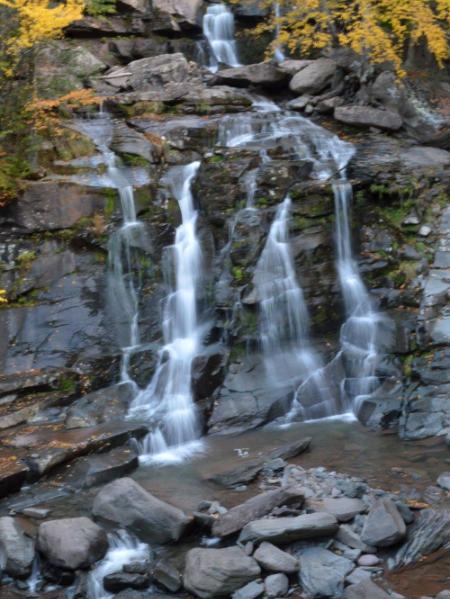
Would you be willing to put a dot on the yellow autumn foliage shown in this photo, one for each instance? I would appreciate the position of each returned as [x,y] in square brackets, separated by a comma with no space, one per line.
[37,20]
[378,29]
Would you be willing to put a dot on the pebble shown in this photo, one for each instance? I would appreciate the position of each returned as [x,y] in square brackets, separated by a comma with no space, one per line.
[424,231]
[368,560]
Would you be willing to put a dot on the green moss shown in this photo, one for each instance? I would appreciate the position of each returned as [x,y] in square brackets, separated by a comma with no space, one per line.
[134,160]
[216,159]
[110,203]
[67,385]
[238,273]
[26,258]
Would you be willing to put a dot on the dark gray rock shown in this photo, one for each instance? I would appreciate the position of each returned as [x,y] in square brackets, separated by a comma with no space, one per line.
[72,543]
[349,537]
[118,581]
[365,116]
[126,503]
[264,74]
[16,549]
[256,507]
[183,14]
[365,590]
[218,572]
[314,77]
[273,559]
[276,585]
[109,403]
[384,525]
[322,573]
[167,575]
[285,530]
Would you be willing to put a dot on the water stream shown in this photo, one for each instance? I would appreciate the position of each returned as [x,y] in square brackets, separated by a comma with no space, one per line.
[218,29]
[167,403]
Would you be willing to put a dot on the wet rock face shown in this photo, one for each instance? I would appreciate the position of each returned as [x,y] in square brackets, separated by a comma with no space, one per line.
[72,543]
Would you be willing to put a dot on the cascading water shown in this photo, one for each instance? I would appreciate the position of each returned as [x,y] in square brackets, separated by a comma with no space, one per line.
[125,246]
[167,402]
[123,549]
[284,319]
[218,28]
[278,54]
[359,332]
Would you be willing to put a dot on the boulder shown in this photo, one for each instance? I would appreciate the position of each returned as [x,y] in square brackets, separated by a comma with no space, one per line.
[166,575]
[292,66]
[322,573]
[387,92]
[126,503]
[16,549]
[273,559]
[263,74]
[218,572]
[118,581]
[256,507]
[344,508]
[365,116]
[276,585]
[184,14]
[72,543]
[365,590]
[314,77]
[384,525]
[128,141]
[285,530]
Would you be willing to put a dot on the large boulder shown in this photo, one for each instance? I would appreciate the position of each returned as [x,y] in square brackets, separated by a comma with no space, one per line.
[16,549]
[183,14]
[286,530]
[126,503]
[218,572]
[365,116]
[384,525]
[314,77]
[72,543]
[264,74]
[322,573]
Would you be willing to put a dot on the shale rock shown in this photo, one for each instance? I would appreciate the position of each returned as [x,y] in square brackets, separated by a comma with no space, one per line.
[16,549]
[127,504]
[72,543]
[218,572]
[384,525]
[322,573]
[264,74]
[314,77]
[185,14]
[366,116]
[344,508]
[273,559]
[256,507]
[285,530]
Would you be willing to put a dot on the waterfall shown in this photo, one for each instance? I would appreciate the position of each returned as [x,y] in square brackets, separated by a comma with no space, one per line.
[124,549]
[218,28]
[167,402]
[284,319]
[125,246]
[278,54]
[359,332]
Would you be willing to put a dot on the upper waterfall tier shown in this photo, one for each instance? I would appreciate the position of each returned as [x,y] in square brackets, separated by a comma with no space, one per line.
[218,28]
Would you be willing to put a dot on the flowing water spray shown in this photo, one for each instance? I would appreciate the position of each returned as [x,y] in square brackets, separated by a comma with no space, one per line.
[126,246]
[124,549]
[218,28]
[167,403]
[278,54]
[359,332]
